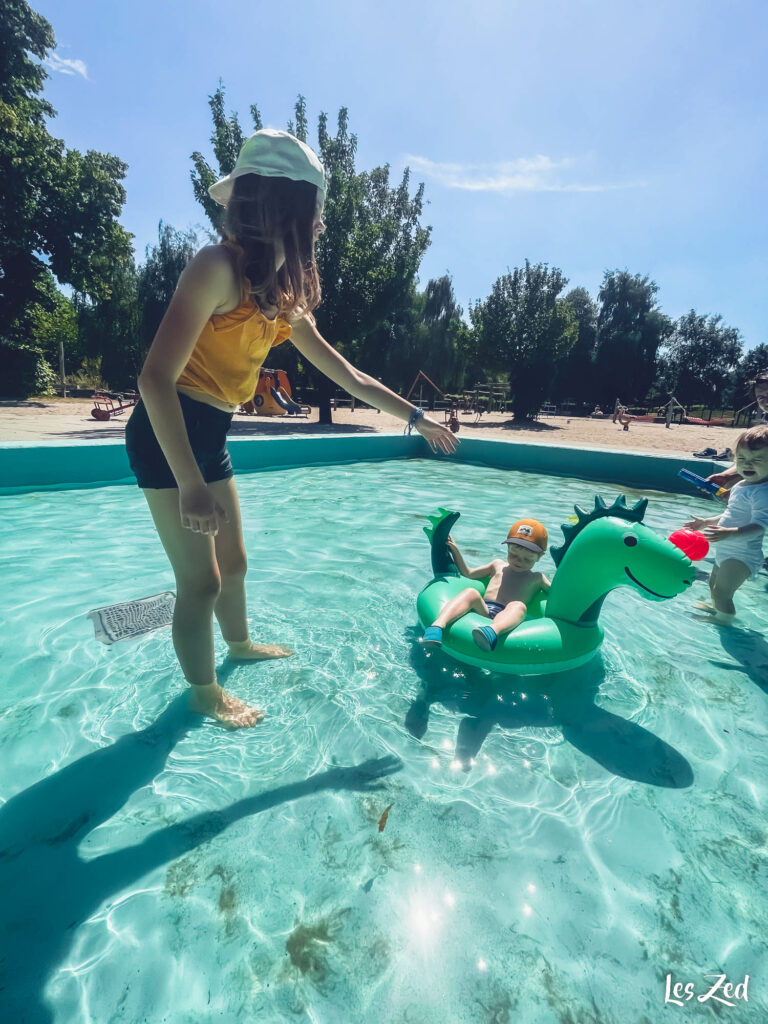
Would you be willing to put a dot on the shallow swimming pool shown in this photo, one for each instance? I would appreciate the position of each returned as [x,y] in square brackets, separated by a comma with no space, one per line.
[553,851]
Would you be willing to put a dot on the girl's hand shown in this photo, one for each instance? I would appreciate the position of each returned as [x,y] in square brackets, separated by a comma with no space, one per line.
[199,510]
[440,438]
[716,533]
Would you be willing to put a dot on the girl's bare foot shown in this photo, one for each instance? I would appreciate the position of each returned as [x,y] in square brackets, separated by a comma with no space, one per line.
[256,652]
[216,703]
[705,606]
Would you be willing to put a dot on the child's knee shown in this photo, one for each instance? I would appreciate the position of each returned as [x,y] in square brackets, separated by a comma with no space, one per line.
[234,566]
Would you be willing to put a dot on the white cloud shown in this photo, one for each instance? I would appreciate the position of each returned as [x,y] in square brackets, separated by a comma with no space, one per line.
[66,67]
[525,174]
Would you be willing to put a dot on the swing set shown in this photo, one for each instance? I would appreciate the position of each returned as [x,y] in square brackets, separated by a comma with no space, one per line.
[451,414]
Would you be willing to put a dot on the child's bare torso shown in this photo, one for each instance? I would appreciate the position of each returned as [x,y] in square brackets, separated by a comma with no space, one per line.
[506,585]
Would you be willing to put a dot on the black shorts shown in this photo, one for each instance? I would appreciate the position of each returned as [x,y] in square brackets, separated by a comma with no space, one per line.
[207,431]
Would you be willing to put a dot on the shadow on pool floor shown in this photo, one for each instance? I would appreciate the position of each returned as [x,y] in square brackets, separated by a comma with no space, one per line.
[566,700]
[49,891]
[749,649]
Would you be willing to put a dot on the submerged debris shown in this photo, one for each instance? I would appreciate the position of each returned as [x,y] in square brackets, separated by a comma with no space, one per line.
[383,818]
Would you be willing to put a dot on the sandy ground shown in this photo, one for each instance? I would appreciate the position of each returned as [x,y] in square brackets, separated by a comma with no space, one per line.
[51,419]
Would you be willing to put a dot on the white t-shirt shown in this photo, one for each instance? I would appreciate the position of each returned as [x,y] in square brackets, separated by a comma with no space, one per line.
[747,503]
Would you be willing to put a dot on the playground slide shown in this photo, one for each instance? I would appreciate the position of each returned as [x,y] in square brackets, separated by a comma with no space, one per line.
[285,402]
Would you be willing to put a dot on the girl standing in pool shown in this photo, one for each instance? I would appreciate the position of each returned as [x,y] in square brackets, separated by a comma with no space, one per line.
[233,302]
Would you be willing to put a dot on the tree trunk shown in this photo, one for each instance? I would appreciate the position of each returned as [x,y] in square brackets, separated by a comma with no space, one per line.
[324,390]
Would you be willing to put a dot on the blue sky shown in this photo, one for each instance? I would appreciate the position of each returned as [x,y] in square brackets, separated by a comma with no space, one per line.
[588,134]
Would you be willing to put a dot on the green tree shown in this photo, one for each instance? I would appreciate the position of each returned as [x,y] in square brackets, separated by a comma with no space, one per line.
[631,329]
[448,351]
[699,357]
[397,349]
[158,276]
[58,207]
[121,328]
[109,333]
[524,329]
[575,373]
[51,327]
[425,332]
[371,251]
[227,138]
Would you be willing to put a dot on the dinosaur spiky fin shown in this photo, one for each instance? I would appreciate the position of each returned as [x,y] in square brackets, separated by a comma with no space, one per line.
[435,518]
[619,510]
[441,523]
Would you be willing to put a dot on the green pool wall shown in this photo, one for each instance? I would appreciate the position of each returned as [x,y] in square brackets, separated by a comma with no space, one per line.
[63,465]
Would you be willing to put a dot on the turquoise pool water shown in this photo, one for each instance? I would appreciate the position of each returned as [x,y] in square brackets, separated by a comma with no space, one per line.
[554,849]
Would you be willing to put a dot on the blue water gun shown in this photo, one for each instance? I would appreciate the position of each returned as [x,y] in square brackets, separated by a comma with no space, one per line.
[699,481]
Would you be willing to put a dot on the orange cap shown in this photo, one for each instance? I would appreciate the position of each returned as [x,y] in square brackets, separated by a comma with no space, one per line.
[528,533]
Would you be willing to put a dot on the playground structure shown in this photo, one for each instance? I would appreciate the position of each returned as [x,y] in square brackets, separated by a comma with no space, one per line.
[493,397]
[273,396]
[674,411]
[484,397]
[449,403]
[107,404]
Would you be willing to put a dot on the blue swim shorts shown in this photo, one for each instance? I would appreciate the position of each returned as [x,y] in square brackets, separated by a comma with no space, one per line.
[494,608]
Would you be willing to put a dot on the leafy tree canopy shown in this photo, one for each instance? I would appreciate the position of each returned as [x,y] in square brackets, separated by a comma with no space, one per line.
[630,330]
[524,328]
[699,357]
[575,373]
[58,207]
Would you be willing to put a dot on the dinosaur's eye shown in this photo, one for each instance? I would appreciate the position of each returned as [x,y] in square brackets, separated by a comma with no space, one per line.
[630,540]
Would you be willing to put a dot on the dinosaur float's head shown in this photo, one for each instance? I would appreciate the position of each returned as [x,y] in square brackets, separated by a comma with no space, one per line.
[611,547]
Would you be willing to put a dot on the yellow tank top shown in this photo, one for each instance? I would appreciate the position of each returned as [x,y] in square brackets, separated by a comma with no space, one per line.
[229,353]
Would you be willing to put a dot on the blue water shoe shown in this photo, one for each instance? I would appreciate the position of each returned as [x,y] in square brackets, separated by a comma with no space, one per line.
[484,637]
[433,636]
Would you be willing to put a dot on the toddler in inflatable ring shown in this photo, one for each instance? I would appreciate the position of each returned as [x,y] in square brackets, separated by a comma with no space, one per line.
[512,586]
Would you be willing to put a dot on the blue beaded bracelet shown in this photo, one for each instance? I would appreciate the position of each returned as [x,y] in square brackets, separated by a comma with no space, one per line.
[415,417]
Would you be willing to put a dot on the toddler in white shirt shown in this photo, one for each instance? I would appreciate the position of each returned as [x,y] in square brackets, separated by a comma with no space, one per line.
[738,533]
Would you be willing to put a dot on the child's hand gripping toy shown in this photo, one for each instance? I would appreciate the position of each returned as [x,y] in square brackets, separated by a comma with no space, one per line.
[700,482]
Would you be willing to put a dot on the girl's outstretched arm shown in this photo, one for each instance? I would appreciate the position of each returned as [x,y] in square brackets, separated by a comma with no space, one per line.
[317,351]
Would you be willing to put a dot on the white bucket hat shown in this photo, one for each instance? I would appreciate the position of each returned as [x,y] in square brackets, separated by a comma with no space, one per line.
[273,154]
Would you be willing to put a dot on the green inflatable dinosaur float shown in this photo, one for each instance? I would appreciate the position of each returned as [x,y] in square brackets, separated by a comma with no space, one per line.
[606,548]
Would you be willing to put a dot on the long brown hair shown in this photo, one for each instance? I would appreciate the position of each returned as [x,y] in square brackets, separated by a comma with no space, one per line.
[261,212]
